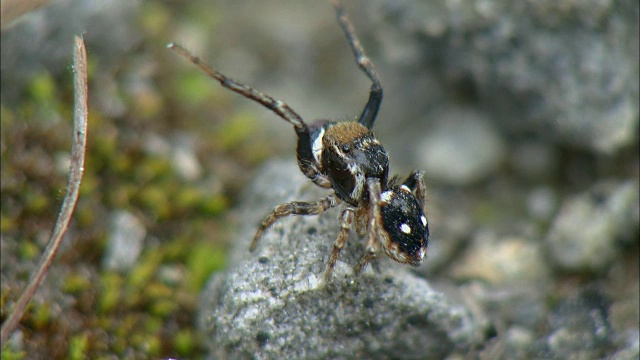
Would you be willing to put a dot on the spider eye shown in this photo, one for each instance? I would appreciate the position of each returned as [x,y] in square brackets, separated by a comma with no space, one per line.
[346,148]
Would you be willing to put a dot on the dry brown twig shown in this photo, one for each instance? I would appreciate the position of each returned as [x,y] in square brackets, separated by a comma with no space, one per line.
[75,177]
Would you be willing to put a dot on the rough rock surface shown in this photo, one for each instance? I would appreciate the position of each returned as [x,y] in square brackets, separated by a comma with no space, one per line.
[589,228]
[561,68]
[274,303]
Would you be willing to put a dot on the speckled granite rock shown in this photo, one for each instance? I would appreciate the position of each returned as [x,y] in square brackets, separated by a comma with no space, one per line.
[274,303]
[563,69]
[592,228]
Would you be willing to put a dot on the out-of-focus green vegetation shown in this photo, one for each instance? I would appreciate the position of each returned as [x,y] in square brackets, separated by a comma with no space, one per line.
[149,310]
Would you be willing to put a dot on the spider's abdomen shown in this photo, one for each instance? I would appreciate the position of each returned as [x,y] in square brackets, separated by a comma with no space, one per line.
[405,225]
[348,154]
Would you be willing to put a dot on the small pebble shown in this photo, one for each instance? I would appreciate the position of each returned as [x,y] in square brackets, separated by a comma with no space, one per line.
[463,148]
[125,241]
[502,261]
[589,228]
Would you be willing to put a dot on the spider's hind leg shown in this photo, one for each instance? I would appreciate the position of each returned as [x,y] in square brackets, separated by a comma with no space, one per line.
[293,208]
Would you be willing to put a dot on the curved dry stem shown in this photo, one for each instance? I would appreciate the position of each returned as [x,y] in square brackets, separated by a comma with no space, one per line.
[75,177]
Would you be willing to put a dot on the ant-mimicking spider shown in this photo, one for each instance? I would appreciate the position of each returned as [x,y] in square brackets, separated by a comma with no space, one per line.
[347,157]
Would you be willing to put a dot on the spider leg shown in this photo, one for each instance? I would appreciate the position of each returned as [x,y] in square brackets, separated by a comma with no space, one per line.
[415,182]
[283,110]
[277,106]
[293,208]
[370,111]
[346,220]
[375,223]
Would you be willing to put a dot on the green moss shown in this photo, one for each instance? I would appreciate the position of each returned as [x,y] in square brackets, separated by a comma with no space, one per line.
[155,199]
[163,308]
[142,274]
[93,65]
[184,342]
[240,128]
[7,117]
[153,325]
[146,104]
[85,214]
[78,346]
[35,203]
[6,223]
[204,259]
[10,354]
[149,344]
[152,168]
[28,250]
[122,164]
[42,88]
[213,205]
[111,290]
[120,197]
[175,250]
[193,88]
[158,291]
[205,14]
[41,315]
[188,197]
[104,146]
[155,18]
[76,283]
[3,302]
[89,184]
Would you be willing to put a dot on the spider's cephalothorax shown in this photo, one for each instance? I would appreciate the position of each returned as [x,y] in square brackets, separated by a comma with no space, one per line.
[347,157]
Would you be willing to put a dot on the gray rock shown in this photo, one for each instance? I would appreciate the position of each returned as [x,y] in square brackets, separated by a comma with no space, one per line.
[563,69]
[519,313]
[542,202]
[631,347]
[534,160]
[517,340]
[579,328]
[184,158]
[502,261]
[451,227]
[181,151]
[590,228]
[464,147]
[274,303]
[125,242]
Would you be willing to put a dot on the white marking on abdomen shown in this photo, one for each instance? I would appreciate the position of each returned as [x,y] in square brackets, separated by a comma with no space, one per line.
[386,196]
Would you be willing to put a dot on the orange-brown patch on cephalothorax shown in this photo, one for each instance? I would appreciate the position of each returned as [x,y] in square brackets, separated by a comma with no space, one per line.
[346,132]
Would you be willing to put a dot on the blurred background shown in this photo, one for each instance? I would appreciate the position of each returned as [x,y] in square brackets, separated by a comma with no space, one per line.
[524,117]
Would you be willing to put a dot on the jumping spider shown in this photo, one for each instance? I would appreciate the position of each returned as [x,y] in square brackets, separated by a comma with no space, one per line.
[347,157]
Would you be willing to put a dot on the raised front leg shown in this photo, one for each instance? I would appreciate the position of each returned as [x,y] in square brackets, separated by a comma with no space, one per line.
[370,110]
[293,208]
